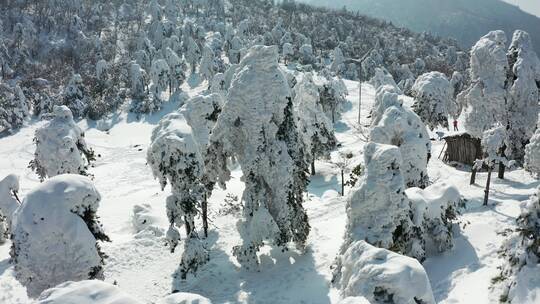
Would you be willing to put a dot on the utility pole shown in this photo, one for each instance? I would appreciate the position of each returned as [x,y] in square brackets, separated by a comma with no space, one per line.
[358,63]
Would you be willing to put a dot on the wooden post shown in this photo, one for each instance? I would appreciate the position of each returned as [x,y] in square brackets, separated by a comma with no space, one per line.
[204,206]
[342,183]
[486,192]
[473,176]
[502,169]
[313,167]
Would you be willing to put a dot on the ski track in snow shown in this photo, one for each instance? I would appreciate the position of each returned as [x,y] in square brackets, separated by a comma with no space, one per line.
[143,267]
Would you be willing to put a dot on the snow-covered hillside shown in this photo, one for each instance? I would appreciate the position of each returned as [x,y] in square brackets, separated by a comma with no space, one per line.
[140,264]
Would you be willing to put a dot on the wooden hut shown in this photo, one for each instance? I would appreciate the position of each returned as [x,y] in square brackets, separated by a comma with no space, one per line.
[462,148]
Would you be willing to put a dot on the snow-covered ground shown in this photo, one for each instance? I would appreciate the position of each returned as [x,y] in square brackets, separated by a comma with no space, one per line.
[142,266]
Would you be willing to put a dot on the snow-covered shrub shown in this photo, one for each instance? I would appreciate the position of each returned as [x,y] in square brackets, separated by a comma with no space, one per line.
[378,209]
[522,248]
[433,99]
[85,292]
[383,276]
[9,187]
[522,102]
[175,159]
[14,108]
[60,147]
[401,127]
[532,154]
[145,219]
[485,98]
[314,126]
[75,96]
[55,233]
[435,209]
[386,96]
[257,127]
[184,298]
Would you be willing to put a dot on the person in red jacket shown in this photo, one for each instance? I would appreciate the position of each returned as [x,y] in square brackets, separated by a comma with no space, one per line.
[455,125]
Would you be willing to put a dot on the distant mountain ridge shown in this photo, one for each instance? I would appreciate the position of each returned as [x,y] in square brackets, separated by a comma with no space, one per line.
[464,20]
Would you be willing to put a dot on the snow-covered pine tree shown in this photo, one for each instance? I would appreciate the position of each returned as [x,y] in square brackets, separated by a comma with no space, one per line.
[9,199]
[401,127]
[485,99]
[177,70]
[433,99]
[333,95]
[314,126]
[201,113]
[257,127]
[175,159]
[338,61]
[521,249]
[523,84]
[386,96]
[532,154]
[75,96]
[14,108]
[60,147]
[288,52]
[159,73]
[378,210]
[55,234]
[207,68]
[193,54]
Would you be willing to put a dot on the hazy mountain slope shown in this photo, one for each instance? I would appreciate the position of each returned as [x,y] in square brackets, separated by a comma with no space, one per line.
[465,20]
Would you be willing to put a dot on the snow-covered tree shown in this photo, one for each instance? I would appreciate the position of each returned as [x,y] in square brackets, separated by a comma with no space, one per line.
[485,98]
[382,276]
[532,154]
[193,54]
[521,249]
[333,95]
[314,126]
[175,159]
[207,68]
[523,83]
[378,209]
[433,99]
[138,82]
[14,108]
[234,52]
[9,200]
[383,77]
[75,96]
[60,147]
[338,61]
[306,54]
[257,127]
[401,127]
[386,96]
[159,74]
[3,228]
[55,233]
[288,52]
[177,70]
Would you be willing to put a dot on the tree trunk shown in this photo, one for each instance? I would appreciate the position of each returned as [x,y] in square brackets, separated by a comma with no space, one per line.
[502,169]
[205,216]
[313,168]
[342,183]
[486,192]
[188,227]
[473,176]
